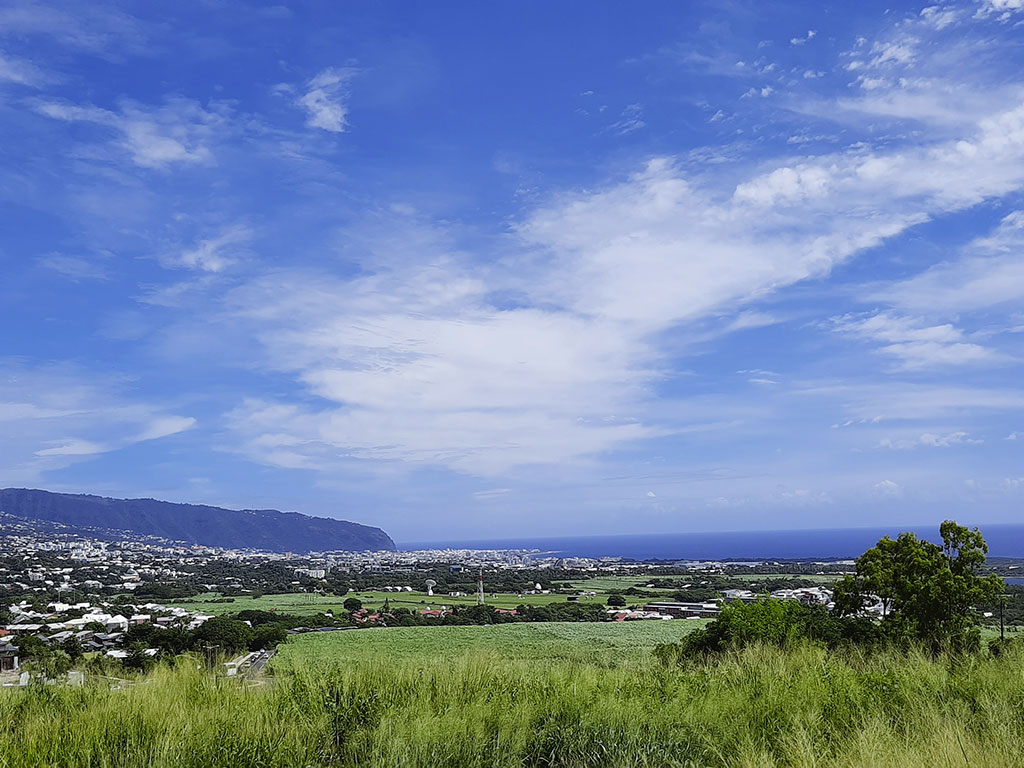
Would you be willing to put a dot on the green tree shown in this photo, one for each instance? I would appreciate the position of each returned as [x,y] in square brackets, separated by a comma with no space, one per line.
[927,591]
[616,600]
[137,658]
[267,636]
[32,647]
[54,664]
[352,604]
[73,648]
[228,634]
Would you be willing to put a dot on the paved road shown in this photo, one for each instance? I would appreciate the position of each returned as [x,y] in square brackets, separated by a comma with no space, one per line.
[260,661]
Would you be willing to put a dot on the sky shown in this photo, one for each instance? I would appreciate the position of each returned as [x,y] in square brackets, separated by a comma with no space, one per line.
[468,270]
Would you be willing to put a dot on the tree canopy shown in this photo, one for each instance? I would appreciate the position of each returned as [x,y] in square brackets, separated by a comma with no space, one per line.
[927,591]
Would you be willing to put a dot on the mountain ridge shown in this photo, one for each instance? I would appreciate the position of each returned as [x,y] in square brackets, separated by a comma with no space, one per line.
[267,529]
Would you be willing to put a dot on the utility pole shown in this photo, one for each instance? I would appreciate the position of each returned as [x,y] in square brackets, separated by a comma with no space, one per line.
[480,588]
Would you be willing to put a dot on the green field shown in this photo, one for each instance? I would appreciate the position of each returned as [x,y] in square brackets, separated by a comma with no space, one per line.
[596,643]
[606,583]
[303,603]
[298,603]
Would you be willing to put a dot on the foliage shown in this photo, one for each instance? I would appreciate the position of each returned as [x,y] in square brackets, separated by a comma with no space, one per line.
[137,658]
[928,592]
[352,604]
[760,706]
[32,647]
[616,600]
[267,636]
[224,633]
[770,622]
[73,648]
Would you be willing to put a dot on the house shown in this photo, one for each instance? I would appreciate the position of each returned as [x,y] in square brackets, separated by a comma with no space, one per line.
[117,623]
[685,610]
[26,628]
[744,595]
[8,658]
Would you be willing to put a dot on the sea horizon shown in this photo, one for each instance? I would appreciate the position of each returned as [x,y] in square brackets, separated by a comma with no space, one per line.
[1004,540]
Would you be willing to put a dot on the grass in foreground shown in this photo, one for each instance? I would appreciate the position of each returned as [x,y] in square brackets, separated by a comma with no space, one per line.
[759,707]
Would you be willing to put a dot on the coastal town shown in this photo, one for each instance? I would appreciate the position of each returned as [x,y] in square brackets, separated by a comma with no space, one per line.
[97,596]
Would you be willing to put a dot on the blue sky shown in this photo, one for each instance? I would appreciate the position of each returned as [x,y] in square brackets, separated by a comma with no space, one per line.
[501,269]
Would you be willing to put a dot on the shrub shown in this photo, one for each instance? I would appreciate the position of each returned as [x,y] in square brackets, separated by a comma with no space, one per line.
[771,622]
[267,636]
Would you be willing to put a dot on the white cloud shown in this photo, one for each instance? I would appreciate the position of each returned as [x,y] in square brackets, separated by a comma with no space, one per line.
[914,343]
[95,28]
[786,185]
[420,369]
[900,401]
[887,54]
[325,97]
[631,119]
[14,70]
[596,275]
[935,67]
[178,132]
[54,416]
[806,39]
[887,489]
[73,447]
[214,254]
[989,273]
[73,267]
[165,426]
[938,17]
[929,440]
[1005,9]
[491,494]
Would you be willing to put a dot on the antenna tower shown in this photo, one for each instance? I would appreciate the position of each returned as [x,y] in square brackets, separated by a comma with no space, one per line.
[480,588]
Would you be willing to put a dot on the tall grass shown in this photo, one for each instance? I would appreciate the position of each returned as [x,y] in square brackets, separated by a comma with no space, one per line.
[758,707]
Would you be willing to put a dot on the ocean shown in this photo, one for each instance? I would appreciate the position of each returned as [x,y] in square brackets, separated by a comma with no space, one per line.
[824,544]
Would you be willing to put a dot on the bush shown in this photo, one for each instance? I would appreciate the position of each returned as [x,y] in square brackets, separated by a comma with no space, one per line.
[267,636]
[772,622]
[228,634]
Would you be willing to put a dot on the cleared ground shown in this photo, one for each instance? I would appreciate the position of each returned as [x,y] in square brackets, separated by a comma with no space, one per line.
[599,643]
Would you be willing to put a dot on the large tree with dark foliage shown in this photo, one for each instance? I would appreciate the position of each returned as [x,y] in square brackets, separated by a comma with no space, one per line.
[224,633]
[928,591]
